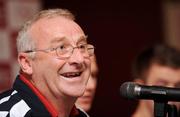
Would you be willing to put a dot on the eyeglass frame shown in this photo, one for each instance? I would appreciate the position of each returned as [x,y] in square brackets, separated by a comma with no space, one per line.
[67,51]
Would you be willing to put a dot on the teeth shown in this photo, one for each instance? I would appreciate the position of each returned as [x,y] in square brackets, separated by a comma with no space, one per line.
[71,74]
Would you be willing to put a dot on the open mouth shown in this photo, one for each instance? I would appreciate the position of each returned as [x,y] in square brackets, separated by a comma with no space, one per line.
[71,74]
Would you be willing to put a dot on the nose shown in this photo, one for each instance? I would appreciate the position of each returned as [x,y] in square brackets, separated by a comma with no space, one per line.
[76,57]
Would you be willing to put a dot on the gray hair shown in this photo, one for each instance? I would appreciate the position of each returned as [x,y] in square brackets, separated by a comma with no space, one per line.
[24,40]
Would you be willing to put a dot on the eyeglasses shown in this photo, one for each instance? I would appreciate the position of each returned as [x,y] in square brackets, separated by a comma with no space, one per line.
[65,51]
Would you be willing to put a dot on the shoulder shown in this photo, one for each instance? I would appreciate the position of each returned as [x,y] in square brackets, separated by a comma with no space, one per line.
[8,97]
[11,103]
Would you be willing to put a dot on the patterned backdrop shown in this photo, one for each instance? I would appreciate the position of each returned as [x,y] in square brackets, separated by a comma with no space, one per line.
[12,14]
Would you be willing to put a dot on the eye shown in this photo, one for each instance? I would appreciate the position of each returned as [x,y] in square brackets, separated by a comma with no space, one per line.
[62,47]
[83,46]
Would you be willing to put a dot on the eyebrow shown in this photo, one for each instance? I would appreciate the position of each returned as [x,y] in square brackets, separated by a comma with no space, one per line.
[58,39]
[83,38]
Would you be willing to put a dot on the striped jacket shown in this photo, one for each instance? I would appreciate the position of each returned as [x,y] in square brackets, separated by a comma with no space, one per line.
[23,101]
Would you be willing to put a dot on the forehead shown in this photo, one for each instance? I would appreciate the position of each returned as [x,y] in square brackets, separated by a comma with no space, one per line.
[52,29]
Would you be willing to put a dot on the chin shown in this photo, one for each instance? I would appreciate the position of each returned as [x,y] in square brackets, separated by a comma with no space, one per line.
[86,108]
[74,90]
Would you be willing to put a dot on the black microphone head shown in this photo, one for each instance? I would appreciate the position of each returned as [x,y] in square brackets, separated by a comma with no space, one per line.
[131,90]
[127,90]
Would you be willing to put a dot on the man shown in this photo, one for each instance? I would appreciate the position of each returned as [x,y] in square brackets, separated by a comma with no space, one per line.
[54,58]
[158,65]
[85,101]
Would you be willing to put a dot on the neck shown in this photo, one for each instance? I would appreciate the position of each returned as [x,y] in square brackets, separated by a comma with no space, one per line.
[63,106]
[143,110]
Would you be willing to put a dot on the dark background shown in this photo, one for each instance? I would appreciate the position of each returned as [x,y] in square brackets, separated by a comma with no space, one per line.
[119,30]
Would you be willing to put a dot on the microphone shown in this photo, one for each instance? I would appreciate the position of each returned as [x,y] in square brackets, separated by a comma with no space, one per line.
[131,90]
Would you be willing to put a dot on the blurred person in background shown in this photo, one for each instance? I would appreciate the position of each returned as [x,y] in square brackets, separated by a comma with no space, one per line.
[158,65]
[85,102]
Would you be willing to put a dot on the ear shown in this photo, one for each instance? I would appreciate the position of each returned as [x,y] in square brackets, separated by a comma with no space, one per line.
[25,63]
[139,81]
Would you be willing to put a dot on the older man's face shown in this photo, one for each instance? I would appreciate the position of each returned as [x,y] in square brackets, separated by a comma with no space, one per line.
[53,75]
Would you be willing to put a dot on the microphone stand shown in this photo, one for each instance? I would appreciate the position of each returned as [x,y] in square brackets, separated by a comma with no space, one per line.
[172,111]
[162,108]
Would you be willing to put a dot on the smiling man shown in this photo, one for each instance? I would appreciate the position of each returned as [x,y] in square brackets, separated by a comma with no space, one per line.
[54,58]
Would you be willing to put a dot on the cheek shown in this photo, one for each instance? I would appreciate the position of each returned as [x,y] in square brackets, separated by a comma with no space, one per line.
[48,65]
[95,83]
[57,63]
[87,62]
[92,83]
